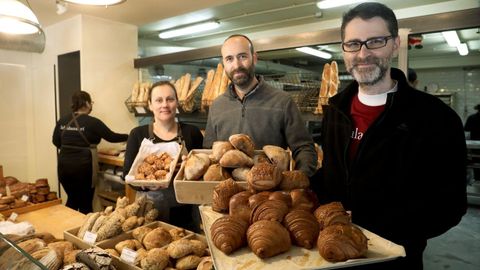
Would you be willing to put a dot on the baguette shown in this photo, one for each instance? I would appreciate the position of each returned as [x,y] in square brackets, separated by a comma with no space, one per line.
[217,80]
[194,87]
[223,84]
[185,85]
[334,81]
[207,88]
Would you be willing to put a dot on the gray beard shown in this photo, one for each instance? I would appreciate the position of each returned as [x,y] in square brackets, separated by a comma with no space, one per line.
[369,78]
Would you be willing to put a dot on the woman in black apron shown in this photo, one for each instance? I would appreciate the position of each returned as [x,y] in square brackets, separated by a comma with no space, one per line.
[76,136]
[163,102]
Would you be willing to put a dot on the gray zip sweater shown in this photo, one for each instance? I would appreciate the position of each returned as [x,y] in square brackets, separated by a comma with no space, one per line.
[269,116]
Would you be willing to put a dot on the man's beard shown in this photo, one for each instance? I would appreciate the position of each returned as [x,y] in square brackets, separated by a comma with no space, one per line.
[244,80]
[369,76]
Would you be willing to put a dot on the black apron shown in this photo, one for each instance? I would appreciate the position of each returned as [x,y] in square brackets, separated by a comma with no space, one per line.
[92,148]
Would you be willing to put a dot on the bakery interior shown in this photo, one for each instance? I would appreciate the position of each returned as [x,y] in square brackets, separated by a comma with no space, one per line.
[108,50]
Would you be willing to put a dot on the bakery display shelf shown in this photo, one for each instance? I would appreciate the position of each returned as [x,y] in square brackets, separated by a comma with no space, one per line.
[379,250]
[30,207]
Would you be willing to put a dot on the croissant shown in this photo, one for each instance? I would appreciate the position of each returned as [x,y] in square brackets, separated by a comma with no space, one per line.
[341,242]
[278,156]
[268,238]
[294,180]
[258,198]
[282,196]
[243,143]
[304,199]
[269,210]
[238,205]
[303,227]
[228,233]
[331,213]
[222,194]
[264,176]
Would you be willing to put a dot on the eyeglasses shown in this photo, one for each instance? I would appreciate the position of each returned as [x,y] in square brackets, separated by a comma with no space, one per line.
[371,44]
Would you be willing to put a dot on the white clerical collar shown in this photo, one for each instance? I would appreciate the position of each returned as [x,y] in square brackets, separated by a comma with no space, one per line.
[376,100]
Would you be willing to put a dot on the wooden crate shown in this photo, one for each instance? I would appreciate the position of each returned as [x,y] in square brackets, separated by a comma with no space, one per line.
[121,265]
[200,192]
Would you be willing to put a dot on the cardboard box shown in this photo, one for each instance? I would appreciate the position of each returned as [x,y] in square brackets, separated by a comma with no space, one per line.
[200,192]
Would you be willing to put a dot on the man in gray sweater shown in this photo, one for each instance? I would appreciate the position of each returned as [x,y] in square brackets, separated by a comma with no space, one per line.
[253,107]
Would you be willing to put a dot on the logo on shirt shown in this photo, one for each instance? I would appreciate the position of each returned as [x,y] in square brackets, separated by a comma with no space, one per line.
[356,134]
[62,127]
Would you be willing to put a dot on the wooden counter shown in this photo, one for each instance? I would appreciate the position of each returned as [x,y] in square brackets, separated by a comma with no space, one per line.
[54,219]
[112,160]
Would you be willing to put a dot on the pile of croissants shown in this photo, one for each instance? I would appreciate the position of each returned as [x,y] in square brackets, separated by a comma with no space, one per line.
[278,210]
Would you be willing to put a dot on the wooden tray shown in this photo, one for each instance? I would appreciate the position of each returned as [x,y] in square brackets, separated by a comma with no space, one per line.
[30,207]
[379,250]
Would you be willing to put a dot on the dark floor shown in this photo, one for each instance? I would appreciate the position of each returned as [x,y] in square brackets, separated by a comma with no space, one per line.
[457,249]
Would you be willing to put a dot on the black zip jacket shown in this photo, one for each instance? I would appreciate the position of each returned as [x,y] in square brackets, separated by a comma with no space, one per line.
[407,181]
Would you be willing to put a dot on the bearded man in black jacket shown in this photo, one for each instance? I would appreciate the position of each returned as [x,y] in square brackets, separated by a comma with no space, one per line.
[393,155]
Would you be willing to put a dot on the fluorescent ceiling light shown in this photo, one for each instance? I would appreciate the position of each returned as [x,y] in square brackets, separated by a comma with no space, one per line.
[335,3]
[16,18]
[196,28]
[462,49]
[95,2]
[314,52]
[452,38]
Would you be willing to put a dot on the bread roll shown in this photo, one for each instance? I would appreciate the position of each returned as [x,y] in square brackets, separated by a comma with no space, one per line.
[216,173]
[219,148]
[235,159]
[294,180]
[157,238]
[278,156]
[304,199]
[243,143]
[240,174]
[196,165]
[263,176]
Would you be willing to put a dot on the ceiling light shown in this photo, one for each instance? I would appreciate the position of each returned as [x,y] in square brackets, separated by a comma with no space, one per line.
[452,38]
[314,52]
[16,18]
[462,49]
[95,2]
[335,3]
[196,28]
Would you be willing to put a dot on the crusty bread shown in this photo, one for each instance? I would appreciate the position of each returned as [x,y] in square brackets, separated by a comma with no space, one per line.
[235,159]
[243,143]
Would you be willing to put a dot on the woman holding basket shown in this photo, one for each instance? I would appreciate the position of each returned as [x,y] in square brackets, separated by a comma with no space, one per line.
[163,102]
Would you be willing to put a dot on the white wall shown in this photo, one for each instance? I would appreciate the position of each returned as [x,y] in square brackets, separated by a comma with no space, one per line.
[27,104]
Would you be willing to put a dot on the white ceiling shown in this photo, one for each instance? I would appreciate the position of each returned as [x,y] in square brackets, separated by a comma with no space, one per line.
[249,17]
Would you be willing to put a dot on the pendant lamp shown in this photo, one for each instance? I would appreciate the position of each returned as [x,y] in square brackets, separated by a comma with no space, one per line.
[16,18]
[95,2]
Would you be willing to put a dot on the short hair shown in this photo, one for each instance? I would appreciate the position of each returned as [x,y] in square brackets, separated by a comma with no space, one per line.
[160,83]
[369,10]
[412,75]
[252,49]
[79,100]
[477,107]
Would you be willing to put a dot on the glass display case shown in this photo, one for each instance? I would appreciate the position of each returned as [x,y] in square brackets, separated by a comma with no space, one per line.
[13,256]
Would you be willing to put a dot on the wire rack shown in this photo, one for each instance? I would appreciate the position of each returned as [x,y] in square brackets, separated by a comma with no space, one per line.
[303,88]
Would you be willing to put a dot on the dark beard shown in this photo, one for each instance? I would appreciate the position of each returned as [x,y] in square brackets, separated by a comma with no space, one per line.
[243,81]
